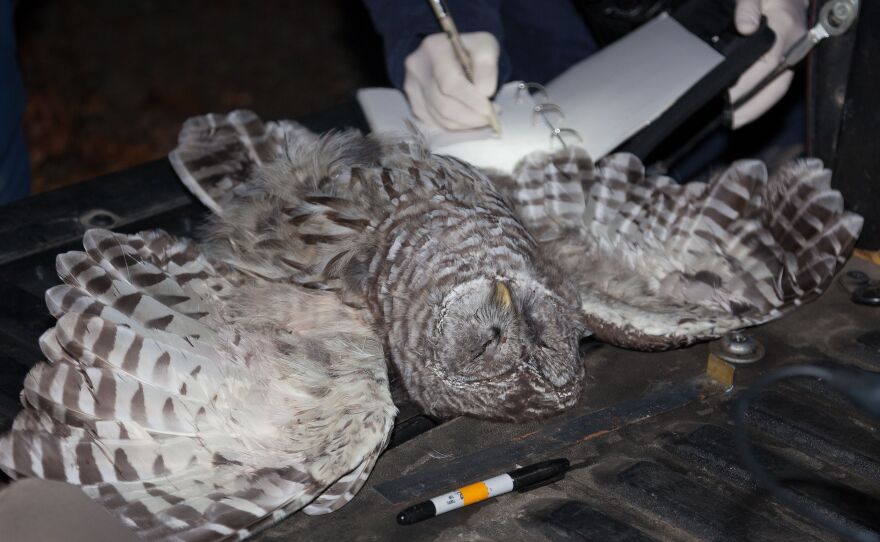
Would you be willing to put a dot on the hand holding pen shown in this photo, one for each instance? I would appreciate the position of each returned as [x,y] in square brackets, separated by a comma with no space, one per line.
[450,77]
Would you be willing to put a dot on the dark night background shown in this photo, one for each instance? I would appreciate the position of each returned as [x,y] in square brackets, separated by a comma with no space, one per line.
[109,82]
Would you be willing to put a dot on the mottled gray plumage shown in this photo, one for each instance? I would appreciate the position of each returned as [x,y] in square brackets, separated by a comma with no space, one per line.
[196,404]
[204,391]
[472,317]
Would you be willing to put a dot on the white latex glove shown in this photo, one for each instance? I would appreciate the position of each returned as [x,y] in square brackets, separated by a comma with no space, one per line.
[788,20]
[438,90]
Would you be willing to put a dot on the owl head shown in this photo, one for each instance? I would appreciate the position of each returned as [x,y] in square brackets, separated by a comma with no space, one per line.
[504,349]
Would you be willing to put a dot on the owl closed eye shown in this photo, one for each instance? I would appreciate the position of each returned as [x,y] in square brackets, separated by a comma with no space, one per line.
[497,344]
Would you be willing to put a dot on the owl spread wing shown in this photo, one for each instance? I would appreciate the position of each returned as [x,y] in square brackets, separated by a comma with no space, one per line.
[193,404]
[217,154]
[660,264]
[293,207]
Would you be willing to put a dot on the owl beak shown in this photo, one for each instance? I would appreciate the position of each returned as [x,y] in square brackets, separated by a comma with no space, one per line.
[502,296]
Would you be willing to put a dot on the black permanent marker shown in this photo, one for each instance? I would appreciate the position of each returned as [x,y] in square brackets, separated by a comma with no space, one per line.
[522,478]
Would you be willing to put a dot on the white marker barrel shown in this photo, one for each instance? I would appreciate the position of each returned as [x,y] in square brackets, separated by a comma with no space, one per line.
[473,493]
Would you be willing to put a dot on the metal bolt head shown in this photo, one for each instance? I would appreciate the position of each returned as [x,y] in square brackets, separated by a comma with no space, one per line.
[738,348]
[99,218]
[867,294]
[857,276]
[837,16]
[840,13]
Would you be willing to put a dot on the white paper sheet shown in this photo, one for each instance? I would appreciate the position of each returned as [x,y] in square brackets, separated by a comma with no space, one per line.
[607,98]
[614,93]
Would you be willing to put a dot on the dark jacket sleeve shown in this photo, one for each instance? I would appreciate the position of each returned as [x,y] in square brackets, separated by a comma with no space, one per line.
[404,23]
[14,165]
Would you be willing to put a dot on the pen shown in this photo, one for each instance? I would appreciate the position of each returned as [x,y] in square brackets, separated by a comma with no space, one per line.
[448,26]
[521,479]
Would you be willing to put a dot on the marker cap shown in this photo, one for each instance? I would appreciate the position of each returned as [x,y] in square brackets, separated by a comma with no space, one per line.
[417,513]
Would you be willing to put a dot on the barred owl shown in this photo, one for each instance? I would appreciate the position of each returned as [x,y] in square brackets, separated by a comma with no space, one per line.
[204,391]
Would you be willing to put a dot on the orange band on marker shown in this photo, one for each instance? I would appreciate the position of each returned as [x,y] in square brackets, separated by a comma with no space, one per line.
[474,493]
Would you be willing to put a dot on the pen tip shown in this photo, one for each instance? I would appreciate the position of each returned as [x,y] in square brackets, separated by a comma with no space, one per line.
[495,124]
[417,513]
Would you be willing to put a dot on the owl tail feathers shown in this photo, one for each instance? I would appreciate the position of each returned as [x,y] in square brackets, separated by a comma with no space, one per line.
[157,409]
[661,264]
[217,154]
[124,405]
[171,488]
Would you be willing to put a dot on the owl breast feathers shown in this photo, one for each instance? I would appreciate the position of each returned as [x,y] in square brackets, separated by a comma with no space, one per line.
[472,315]
[205,391]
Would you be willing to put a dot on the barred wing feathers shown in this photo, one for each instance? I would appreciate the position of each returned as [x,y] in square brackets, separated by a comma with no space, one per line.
[299,208]
[661,264]
[191,410]
[217,154]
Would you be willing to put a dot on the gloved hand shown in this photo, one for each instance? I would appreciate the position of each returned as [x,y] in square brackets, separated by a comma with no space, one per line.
[439,92]
[788,19]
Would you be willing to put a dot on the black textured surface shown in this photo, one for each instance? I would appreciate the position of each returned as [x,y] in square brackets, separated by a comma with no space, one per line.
[856,161]
[828,73]
[575,520]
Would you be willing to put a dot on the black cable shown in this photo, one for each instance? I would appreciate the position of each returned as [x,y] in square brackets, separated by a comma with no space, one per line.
[861,387]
